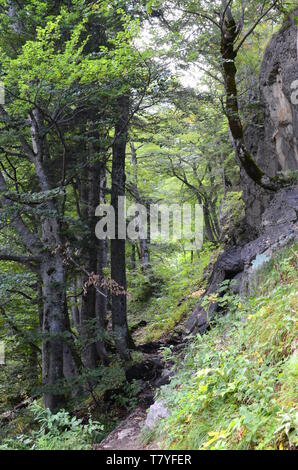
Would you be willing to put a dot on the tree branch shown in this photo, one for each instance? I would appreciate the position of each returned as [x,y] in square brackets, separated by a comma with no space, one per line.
[16,329]
[28,260]
[26,147]
[28,238]
[257,22]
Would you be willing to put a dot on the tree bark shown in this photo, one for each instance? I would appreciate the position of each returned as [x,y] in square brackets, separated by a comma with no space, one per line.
[143,245]
[211,236]
[53,289]
[101,302]
[53,276]
[118,258]
[75,308]
[229,34]
[71,360]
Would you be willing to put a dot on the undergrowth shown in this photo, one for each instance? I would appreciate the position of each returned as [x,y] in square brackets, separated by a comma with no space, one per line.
[55,431]
[176,284]
[237,386]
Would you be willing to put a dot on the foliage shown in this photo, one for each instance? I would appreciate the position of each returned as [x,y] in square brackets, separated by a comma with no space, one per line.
[237,387]
[66,67]
[128,398]
[56,431]
[180,284]
[231,215]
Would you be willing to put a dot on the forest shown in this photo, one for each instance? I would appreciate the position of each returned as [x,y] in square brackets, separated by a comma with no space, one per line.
[148,225]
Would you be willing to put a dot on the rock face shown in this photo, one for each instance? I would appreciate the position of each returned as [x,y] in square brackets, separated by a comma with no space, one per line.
[278,74]
[279,227]
[156,413]
[274,143]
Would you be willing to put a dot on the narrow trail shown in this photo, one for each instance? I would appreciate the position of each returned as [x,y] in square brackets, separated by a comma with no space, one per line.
[128,434]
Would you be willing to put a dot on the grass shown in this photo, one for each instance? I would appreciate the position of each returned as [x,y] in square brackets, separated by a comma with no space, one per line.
[174,285]
[237,386]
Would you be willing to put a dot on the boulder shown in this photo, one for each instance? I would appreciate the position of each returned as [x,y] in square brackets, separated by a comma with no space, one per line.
[156,412]
[278,228]
[272,135]
[278,150]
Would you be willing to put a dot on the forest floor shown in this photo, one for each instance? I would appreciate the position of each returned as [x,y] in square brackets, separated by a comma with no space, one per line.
[128,435]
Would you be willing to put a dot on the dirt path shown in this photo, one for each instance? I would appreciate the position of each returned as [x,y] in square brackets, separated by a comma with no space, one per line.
[127,436]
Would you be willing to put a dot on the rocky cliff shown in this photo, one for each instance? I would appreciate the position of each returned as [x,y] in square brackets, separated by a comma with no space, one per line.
[278,228]
[274,141]
[271,218]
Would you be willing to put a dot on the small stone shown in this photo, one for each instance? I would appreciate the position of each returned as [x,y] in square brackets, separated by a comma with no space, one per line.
[156,412]
[125,433]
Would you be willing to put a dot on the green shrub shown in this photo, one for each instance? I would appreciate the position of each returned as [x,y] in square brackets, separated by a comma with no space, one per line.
[128,398]
[173,298]
[237,386]
[56,431]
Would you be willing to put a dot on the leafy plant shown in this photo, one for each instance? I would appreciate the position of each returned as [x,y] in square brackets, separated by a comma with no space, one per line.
[56,431]
[128,398]
[237,386]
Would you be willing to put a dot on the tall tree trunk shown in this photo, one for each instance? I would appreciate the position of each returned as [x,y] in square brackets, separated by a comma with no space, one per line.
[71,360]
[88,325]
[94,305]
[53,289]
[208,224]
[143,245]
[102,262]
[229,35]
[53,275]
[87,311]
[133,260]
[118,259]
[75,307]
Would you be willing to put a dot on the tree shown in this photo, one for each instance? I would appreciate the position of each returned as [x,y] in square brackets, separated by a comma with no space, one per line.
[220,28]
[118,256]
[56,82]
[142,246]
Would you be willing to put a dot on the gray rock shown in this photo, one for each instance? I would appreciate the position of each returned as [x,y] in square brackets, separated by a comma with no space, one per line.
[259,261]
[278,228]
[279,148]
[156,412]
[125,433]
[164,379]
[272,136]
